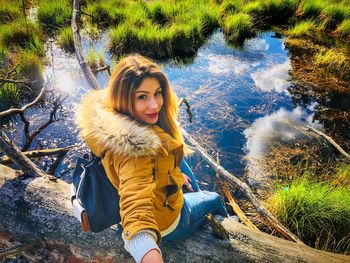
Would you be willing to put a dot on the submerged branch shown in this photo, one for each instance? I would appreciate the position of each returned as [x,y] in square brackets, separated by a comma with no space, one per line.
[330,140]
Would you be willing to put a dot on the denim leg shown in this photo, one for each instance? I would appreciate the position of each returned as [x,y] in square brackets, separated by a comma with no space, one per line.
[193,213]
[185,168]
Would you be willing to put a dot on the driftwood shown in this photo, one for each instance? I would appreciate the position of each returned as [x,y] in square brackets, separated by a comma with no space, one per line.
[25,107]
[37,153]
[238,210]
[35,209]
[330,140]
[17,157]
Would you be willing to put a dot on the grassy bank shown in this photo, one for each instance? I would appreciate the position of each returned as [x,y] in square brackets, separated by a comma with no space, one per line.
[172,28]
[22,54]
[318,212]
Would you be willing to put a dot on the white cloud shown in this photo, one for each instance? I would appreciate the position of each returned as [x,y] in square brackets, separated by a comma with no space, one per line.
[282,125]
[273,78]
[256,45]
[225,64]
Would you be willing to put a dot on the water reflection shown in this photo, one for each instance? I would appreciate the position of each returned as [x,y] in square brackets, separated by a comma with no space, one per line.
[221,85]
[275,77]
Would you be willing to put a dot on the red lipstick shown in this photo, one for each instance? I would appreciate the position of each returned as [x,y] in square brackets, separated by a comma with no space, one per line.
[152,115]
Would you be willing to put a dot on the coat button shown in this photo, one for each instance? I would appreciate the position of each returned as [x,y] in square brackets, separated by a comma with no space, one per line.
[127,233]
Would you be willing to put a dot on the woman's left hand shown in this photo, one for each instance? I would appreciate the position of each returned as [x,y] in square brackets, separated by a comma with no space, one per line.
[187,183]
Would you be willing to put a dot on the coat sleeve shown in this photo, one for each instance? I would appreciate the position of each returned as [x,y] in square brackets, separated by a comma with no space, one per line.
[136,190]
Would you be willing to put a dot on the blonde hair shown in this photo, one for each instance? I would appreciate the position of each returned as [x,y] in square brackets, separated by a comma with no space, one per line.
[127,76]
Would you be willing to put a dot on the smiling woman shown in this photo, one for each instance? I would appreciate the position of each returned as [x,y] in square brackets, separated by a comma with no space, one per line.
[148,101]
[132,126]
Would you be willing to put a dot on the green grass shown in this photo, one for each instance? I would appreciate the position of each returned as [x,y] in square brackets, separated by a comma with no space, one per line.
[54,15]
[303,28]
[310,8]
[333,59]
[336,12]
[10,95]
[9,11]
[344,28]
[65,39]
[21,34]
[238,27]
[105,13]
[30,65]
[342,177]
[318,213]
[95,59]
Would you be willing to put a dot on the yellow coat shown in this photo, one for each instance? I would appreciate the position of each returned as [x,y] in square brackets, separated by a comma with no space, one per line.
[141,161]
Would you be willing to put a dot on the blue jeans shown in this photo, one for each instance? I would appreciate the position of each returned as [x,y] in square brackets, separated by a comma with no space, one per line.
[193,213]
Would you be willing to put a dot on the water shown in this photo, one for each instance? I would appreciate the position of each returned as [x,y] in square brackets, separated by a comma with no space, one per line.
[239,97]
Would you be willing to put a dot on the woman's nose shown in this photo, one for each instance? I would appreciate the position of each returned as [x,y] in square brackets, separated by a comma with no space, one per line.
[153,104]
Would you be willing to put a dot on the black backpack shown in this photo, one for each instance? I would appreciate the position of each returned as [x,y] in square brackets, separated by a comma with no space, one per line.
[95,200]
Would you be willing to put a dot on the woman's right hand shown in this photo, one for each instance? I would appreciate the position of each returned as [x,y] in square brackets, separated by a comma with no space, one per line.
[152,256]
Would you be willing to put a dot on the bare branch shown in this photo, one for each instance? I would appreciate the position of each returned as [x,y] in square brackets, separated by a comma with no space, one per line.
[330,140]
[25,107]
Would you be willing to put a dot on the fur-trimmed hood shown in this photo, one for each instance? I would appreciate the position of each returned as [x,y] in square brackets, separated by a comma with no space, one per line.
[106,130]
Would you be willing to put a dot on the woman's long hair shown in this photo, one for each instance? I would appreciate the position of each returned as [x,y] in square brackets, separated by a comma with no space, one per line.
[127,77]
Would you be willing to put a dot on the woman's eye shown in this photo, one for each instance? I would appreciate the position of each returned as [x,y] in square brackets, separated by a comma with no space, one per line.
[158,93]
[142,97]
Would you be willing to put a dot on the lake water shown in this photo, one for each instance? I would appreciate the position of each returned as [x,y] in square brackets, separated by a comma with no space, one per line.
[239,99]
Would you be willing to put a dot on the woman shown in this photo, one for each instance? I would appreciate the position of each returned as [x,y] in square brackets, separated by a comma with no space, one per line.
[132,124]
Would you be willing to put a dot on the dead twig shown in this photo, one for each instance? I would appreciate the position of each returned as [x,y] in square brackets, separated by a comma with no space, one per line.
[25,107]
[238,210]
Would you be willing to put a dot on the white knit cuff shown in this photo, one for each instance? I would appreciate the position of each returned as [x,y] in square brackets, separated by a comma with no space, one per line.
[140,244]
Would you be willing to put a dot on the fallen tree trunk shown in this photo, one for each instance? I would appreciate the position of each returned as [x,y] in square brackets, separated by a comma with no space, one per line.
[35,209]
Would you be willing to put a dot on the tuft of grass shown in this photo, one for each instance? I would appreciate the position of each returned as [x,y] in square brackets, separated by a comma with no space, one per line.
[105,13]
[342,177]
[94,59]
[253,8]
[65,39]
[238,27]
[9,12]
[22,34]
[310,8]
[344,28]
[337,12]
[303,28]
[30,65]
[230,7]
[332,59]
[54,15]
[10,95]
[316,212]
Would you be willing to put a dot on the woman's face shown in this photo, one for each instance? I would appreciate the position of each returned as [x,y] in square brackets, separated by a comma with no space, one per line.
[148,101]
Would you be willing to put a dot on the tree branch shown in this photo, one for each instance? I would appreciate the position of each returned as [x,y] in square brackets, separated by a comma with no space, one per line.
[25,107]
[330,140]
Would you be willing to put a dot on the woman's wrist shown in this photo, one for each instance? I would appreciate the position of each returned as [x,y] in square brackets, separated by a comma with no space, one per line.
[141,244]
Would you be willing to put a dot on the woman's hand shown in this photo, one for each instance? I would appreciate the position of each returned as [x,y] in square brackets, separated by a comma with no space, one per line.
[187,183]
[152,256]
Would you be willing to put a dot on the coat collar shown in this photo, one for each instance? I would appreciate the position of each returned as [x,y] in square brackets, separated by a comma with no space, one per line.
[106,130]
